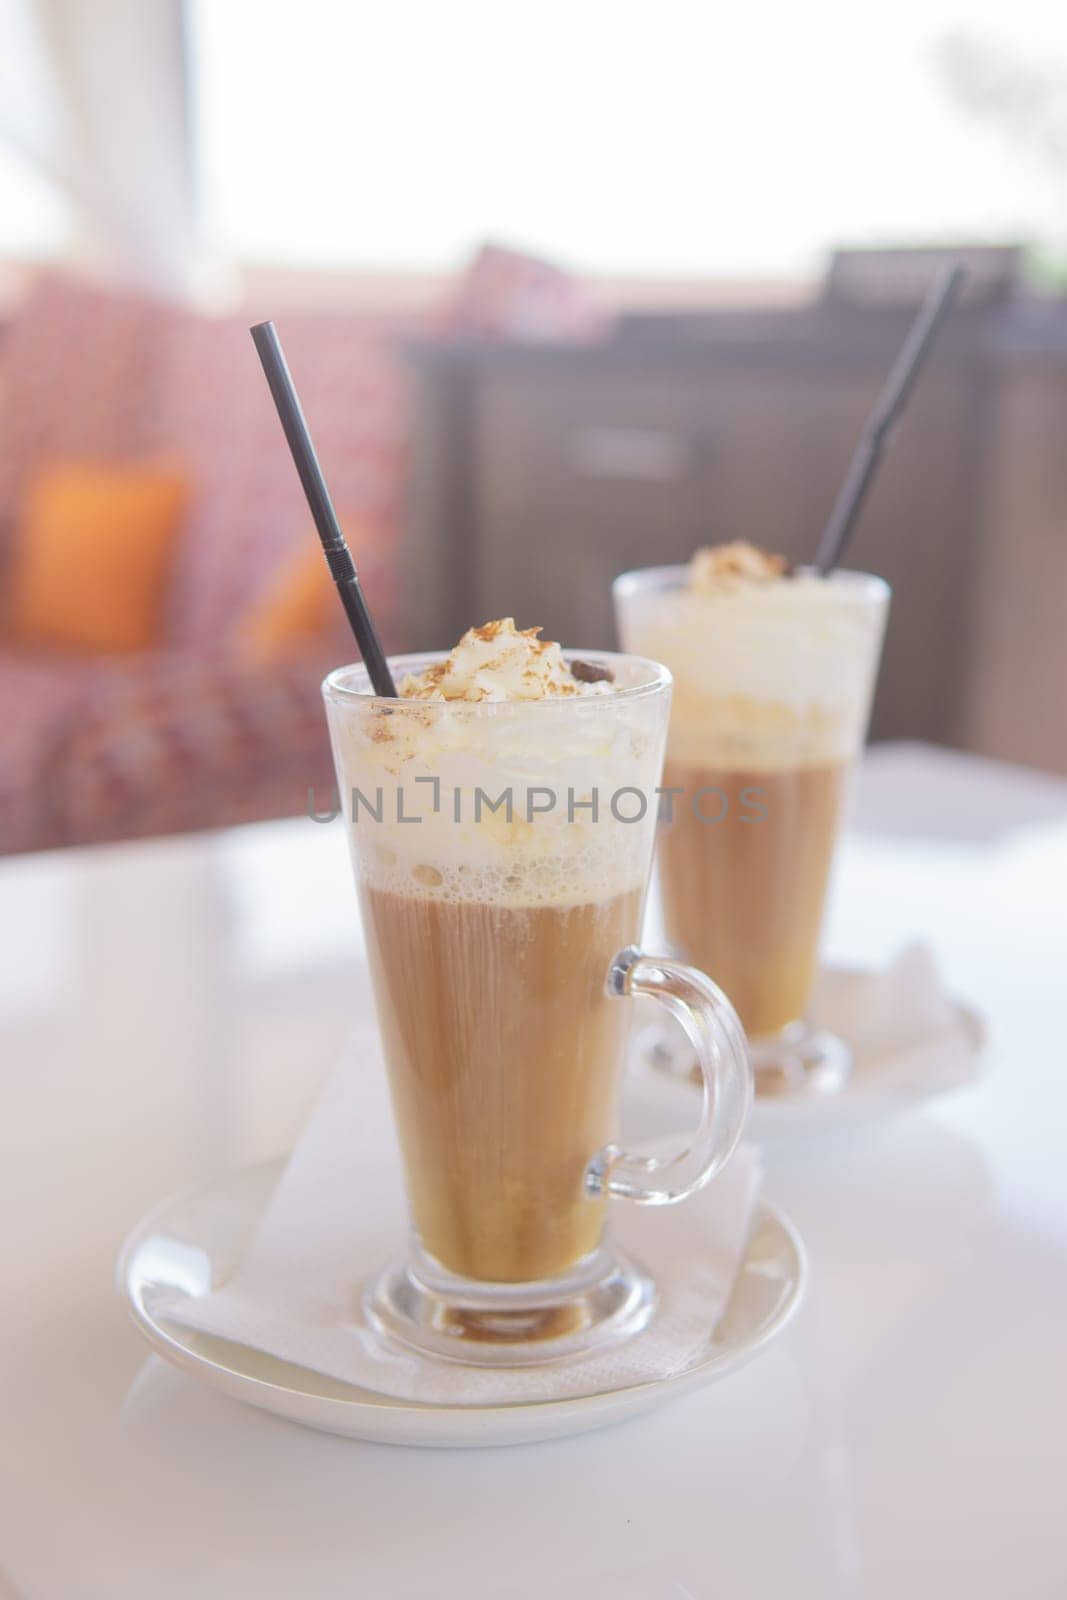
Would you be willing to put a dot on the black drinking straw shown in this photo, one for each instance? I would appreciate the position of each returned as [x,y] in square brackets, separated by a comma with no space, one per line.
[338,556]
[891,403]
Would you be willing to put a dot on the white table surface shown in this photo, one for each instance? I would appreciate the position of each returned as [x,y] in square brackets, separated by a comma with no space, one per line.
[167,1009]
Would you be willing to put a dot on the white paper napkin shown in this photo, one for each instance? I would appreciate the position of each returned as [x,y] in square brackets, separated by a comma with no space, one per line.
[338,1214]
[905,1032]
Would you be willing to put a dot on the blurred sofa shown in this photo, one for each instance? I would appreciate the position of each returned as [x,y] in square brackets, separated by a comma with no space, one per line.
[197,732]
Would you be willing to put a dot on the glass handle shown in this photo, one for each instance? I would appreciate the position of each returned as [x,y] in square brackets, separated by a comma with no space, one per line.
[715,1031]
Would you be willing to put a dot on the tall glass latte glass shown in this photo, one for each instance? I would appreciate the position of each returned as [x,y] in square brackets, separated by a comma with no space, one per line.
[501,853]
[773,685]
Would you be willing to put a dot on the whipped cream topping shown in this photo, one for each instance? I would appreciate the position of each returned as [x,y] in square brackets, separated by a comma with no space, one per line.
[500,662]
[773,668]
[481,798]
[725,566]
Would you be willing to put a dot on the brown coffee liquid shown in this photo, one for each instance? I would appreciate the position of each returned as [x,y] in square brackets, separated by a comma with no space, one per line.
[504,1053]
[743,897]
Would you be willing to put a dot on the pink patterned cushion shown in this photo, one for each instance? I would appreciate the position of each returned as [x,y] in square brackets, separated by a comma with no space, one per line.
[191,744]
[81,372]
[114,376]
[188,737]
[40,696]
[250,511]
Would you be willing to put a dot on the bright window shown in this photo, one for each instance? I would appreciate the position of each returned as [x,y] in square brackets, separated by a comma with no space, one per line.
[666,136]
[34,215]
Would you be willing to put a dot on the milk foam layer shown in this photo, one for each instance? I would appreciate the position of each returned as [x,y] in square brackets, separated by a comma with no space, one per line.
[771,672]
[429,759]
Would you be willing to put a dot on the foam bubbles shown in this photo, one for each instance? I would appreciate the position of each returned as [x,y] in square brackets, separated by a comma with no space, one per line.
[419,829]
[574,877]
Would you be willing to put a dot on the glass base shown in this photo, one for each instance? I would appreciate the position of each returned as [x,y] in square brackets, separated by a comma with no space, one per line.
[801,1060]
[416,1301]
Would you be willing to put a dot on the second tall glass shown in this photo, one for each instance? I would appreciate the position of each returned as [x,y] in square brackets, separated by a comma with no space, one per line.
[773,685]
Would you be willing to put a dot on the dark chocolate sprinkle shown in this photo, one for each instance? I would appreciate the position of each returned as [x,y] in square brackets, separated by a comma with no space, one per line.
[590,672]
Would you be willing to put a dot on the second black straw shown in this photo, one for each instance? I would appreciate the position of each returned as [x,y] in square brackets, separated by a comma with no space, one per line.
[891,402]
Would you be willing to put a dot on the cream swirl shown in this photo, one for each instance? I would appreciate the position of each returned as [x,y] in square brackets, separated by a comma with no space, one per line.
[724,566]
[500,662]
[773,666]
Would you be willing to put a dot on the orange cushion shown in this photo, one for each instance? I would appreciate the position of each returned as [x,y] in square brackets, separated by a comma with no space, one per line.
[295,608]
[91,552]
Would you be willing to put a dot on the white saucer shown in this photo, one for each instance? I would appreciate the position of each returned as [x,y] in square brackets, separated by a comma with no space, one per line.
[898,1063]
[192,1243]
